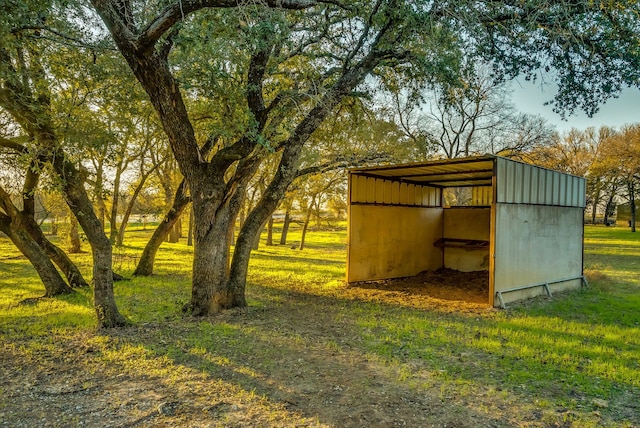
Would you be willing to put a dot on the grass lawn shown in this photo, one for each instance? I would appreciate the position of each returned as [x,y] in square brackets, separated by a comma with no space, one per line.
[311,352]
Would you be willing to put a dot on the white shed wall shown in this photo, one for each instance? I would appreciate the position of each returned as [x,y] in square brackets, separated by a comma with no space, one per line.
[519,183]
[535,244]
[392,242]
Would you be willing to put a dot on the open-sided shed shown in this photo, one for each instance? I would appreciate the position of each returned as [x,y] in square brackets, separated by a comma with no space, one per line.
[521,223]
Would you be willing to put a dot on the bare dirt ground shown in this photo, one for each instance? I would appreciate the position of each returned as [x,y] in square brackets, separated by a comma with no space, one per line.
[443,289]
[295,363]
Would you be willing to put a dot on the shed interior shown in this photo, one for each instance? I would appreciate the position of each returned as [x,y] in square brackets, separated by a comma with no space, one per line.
[409,219]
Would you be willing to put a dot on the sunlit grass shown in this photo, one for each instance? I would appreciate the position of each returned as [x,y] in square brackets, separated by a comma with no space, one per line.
[537,357]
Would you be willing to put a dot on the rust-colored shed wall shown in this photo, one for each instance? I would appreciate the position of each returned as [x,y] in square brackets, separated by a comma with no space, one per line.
[467,223]
[392,242]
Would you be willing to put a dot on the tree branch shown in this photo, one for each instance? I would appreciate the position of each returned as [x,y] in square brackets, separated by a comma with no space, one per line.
[178,11]
[344,162]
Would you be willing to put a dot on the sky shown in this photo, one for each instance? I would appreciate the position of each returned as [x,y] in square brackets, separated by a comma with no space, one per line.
[530,98]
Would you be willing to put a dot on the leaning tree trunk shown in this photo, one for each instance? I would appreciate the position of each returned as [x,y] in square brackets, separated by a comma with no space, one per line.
[147,259]
[305,226]
[273,194]
[307,220]
[103,298]
[54,285]
[57,256]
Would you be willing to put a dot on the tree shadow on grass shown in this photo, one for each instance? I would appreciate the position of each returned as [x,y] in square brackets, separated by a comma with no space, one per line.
[351,362]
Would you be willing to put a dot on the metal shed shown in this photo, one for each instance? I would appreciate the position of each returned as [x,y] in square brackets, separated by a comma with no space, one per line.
[521,223]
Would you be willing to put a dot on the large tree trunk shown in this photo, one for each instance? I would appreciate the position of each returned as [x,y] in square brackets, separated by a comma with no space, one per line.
[53,283]
[212,290]
[180,201]
[209,294]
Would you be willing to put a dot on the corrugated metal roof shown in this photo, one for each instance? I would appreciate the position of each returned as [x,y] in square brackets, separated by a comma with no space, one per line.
[473,171]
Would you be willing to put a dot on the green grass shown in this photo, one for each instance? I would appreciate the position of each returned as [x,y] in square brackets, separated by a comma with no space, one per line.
[551,361]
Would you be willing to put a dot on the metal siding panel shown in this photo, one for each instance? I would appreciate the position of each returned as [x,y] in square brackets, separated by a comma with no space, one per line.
[572,188]
[542,185]
[501,180]
[403,194]
[411,194]
[535,244]
[383,242]
[379,191]
[353,189]
[526,184]
[515,183]
[583,191]
[519,179]
[359,193]
[395,192]
[548,194]
[535,173]
[386,192]
[420,196]
[575,200]
[563,190]
[426,191]
[509,178]
[371,190]
[435,195]
[556,189]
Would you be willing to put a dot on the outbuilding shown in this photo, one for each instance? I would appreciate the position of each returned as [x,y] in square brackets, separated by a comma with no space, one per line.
[520,223]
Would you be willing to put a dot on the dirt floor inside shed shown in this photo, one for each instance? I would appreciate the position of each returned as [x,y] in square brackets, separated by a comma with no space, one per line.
[443,289]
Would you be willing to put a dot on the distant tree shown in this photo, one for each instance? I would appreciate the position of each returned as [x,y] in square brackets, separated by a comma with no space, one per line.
[471,117]
[314,190]
[625,146]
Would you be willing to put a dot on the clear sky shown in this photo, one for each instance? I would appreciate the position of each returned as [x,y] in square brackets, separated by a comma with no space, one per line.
[530,98]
